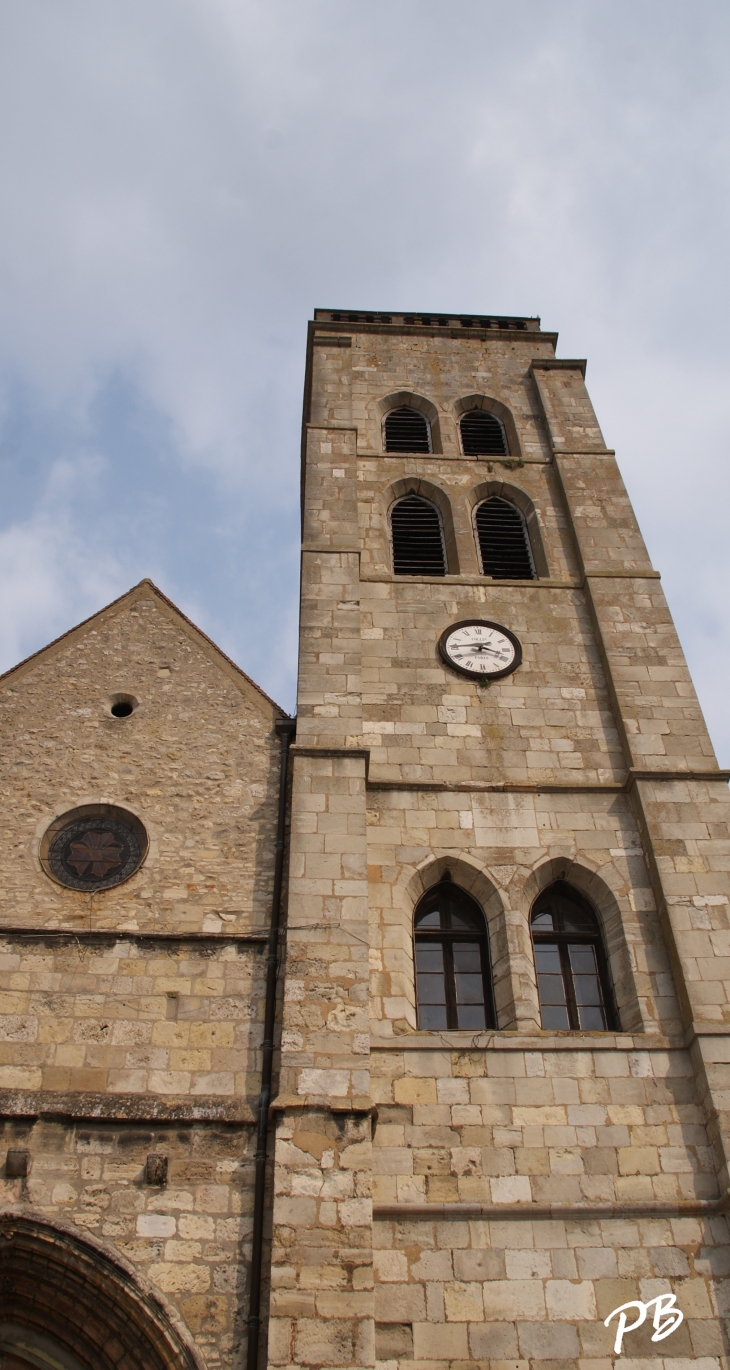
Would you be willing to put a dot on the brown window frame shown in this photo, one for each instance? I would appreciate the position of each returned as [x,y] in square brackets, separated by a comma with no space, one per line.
[563,939]
[449,890]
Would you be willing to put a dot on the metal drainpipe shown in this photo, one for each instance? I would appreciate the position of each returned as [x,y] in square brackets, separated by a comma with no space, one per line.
[286,728]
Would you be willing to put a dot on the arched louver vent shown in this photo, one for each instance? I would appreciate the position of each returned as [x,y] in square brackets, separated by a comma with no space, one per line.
[503,542]
[418,543]
[407,431]
[482,435]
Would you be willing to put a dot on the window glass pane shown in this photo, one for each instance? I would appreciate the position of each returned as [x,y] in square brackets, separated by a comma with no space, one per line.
[429,956]
[469,989]
[550,986]
[587,990]
[471,1016]
[429,920]
[588,997]
[467,919]
[554,1018]
[585,976]
[574,920]
[430,980]
[431,989]
[592,1019]
[582,960]
[468,981]
[467,956]
[547,957]
[543,920]
[551,989]
[431,1016]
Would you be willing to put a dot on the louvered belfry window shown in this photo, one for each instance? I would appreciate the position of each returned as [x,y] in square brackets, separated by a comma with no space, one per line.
[482,435]
[418,540]
[504,546]
[405,430]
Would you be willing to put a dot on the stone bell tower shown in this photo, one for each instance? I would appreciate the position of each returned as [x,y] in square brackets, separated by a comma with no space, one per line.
[485,1179]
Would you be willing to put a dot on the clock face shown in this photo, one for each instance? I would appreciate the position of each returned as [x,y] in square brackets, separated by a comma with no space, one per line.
[480,649]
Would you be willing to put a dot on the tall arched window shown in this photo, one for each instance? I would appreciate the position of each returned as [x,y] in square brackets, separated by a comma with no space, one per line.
[572,975]
[482,435]
[453,974]
[417,537]
[406,430]
[502,538]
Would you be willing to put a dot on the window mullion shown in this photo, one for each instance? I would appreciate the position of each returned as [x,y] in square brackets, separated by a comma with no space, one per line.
[451,1014]
[609,1009]
[566,968]
[490,1012]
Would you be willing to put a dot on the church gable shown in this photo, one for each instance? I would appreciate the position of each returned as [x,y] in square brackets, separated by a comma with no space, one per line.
[193,760]
[136,857]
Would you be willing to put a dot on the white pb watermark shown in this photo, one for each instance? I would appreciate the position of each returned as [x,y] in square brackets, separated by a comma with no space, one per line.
[666,1318]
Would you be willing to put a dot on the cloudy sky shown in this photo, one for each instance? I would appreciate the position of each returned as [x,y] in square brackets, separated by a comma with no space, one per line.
[184,180]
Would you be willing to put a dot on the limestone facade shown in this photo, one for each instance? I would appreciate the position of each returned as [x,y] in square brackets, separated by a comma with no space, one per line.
[511,1187]
[435,1198]
[130,1022]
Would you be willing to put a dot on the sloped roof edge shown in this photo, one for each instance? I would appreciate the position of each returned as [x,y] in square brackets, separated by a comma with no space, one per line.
[147,584]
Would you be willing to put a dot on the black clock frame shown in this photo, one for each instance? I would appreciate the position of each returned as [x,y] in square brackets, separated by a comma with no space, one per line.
[479,623]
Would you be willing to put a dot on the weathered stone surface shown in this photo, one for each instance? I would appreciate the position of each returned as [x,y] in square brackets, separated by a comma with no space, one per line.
[130,1019]
[590,763]
[437,1199]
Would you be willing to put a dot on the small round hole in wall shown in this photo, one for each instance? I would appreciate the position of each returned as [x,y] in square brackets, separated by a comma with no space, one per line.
[122,706]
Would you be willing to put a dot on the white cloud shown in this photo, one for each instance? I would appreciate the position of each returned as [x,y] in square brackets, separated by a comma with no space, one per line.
[185,179]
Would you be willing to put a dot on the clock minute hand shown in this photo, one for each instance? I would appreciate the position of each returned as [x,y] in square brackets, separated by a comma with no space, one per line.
[480,647]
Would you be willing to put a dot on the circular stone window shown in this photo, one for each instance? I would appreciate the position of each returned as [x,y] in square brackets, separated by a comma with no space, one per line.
[93,848]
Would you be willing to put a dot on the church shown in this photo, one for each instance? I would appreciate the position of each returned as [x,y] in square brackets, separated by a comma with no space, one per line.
[393,1033]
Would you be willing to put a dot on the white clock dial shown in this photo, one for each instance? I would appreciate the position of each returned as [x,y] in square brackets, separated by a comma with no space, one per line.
[478,648]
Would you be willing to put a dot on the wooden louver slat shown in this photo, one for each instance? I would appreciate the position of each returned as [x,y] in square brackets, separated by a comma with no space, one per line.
[407,431]
[482,435]
[418,544]
[503,542]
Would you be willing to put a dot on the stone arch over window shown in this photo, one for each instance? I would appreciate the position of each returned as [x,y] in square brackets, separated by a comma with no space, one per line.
[60,1293]
[470,404]
[408,399]
[499,489]
[425,490]
[408,894]
[613,913]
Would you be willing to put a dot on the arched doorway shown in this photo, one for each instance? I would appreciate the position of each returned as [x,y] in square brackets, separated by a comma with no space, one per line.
[68,1304]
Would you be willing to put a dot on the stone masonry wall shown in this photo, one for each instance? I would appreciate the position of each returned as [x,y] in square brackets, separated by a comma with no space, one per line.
[525,1183]
[169,1021]
[186,1237]
[130,1020]
[197,762]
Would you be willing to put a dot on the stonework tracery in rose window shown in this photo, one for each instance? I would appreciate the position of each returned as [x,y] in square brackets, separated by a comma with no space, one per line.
[94,848]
